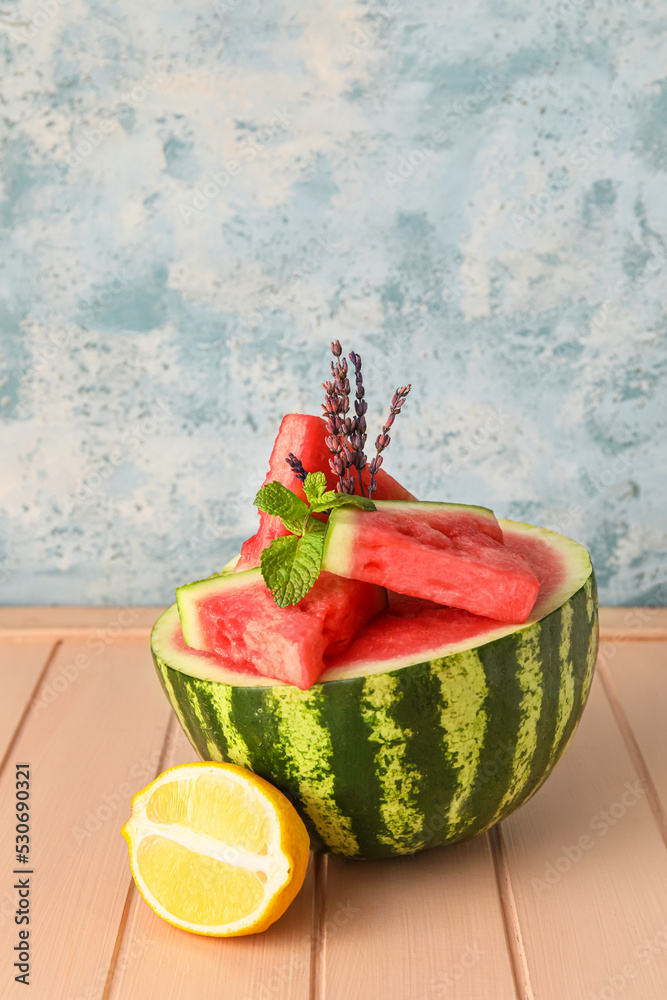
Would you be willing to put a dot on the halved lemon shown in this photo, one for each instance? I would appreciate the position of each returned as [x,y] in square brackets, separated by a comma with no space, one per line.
[215,849]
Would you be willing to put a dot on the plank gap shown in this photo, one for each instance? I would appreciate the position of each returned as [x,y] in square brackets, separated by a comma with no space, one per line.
[166,745]
[317,971]
[29,703]
[515,947]
[71,633]
[635,753]
[119,940]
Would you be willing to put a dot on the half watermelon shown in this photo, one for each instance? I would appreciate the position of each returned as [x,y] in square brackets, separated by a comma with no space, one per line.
[430,727]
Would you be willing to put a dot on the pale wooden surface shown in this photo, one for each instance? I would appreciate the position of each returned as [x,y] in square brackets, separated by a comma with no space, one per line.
[523,912]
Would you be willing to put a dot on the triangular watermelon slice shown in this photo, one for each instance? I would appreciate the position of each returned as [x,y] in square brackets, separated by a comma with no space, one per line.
[448,553]
[235,616]
[303,435]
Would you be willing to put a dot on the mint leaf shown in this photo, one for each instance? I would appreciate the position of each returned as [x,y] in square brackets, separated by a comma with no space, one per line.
[290,566]
[314,486]
[276,499]
[275,562]
[331,500]
[328,496]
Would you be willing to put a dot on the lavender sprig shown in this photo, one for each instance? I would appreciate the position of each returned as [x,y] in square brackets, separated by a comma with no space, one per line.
[339,426]
[357,439]
[296,467]
[383,439]
[331,406]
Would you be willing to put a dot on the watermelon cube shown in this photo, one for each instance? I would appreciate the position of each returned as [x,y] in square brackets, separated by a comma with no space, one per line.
[303,435]
[235,616]
[448,553]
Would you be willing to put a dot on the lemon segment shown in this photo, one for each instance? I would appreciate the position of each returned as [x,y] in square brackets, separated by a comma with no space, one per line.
[215,849]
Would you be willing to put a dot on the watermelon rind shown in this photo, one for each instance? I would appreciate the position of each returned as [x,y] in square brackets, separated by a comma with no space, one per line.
[190,595]
[384,759]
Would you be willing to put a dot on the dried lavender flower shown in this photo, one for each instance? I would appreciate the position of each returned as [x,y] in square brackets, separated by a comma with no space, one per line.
[357,436]
[335,406]
[296,467]
[383,439]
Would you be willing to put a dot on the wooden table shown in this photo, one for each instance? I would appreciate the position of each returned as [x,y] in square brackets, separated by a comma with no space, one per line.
[566,900]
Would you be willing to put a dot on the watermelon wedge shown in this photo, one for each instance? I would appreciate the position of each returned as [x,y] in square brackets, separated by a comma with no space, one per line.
[430,727]
[448,553]
[235,616]
[303,435]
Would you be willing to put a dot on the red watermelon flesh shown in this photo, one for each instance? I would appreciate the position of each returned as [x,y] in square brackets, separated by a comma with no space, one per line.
[303,435]
[235,617]
[447,553]
[411,628]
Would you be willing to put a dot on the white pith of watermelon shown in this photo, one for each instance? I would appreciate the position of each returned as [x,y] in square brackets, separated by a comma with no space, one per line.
[448,553]
[393,640]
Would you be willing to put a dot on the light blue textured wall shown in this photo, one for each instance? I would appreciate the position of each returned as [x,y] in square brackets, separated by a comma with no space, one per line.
[471,195]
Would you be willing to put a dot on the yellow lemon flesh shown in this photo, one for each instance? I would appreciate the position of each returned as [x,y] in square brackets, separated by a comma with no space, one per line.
[215,849]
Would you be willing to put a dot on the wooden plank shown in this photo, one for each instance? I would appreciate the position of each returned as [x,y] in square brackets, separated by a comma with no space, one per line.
[66,621]
[419,927]
[636,682]
[639,624]
[67,616]
[588,870]
[89,749]
[159,962]
[20,670]
[636,623]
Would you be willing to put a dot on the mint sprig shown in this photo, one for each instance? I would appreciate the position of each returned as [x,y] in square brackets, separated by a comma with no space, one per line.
[291,565]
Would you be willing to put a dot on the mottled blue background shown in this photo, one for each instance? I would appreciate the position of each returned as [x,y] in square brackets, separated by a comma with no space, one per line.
[472,195]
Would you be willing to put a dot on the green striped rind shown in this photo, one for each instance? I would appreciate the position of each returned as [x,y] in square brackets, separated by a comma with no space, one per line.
[427,754]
